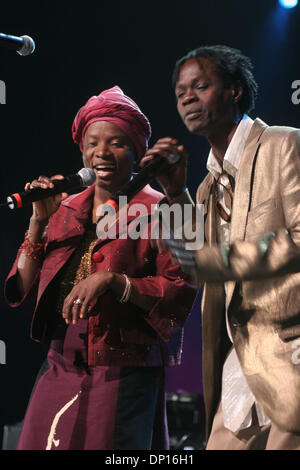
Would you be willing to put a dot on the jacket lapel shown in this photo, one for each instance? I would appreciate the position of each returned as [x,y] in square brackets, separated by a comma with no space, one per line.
[205,196]
[71,219]
[242,193]
[211,227]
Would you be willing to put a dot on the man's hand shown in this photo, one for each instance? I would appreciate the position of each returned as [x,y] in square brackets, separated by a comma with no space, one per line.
[172,180]
[182,255]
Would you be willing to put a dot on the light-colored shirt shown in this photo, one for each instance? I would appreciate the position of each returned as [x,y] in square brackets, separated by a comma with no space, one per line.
[237,398]
[231,165]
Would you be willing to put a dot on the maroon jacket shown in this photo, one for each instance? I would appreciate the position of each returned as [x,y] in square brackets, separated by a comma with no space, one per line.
[119,334]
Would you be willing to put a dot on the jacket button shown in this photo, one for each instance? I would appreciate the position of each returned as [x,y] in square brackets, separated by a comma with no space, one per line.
[98,257]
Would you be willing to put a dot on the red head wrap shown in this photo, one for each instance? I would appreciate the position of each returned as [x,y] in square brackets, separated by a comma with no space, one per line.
[113,106]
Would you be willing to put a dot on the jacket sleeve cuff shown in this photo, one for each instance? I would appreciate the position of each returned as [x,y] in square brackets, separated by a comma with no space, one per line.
[169,312]
[11,291]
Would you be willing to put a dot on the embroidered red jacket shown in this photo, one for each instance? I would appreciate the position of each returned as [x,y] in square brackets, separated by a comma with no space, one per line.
[119,334]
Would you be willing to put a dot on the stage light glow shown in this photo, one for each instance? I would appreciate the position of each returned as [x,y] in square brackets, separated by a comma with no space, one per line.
[288,3]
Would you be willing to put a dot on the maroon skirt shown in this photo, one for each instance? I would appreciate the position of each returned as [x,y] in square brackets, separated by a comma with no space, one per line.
[78,407]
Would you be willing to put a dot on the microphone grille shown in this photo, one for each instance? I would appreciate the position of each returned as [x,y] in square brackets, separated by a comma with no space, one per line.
[87,176]
[28,46]
[173,158]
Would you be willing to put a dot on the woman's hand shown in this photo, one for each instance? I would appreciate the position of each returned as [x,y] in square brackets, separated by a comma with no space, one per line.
[173,179]
[77,303]
[43,209]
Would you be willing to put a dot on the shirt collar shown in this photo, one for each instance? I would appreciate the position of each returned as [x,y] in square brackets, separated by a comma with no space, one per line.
[234,151]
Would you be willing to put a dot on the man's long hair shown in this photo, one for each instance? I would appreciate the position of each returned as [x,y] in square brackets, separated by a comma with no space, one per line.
[231,65]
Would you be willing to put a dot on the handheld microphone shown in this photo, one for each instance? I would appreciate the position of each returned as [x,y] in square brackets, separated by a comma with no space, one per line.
[23,45]
[85,177]
[147,174]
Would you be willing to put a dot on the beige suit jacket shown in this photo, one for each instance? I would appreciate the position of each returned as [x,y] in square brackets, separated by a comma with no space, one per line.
[263,298]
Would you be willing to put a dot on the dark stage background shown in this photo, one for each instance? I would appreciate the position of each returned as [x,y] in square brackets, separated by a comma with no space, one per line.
[83,48]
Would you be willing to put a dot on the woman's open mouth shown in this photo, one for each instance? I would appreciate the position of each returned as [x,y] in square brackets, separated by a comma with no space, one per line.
[104,171]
